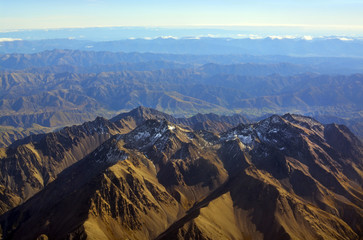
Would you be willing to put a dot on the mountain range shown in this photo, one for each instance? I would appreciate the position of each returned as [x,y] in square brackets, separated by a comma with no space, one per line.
[318,47]
[77,61]
[148,175]
[45,91]
[180,137]
[31,163]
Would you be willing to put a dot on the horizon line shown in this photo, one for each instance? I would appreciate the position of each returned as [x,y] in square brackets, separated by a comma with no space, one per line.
[219,26]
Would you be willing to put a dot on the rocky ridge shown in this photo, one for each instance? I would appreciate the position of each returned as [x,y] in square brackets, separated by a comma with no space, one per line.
[29,164]
[285,177]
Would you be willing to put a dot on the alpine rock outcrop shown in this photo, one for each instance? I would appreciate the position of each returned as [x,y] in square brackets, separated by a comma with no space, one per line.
[285,177]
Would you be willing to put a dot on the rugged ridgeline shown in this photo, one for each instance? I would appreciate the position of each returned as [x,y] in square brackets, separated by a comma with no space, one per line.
[285,177]
[210,122]
[9,134]
[15,127]
[53,89]
[31,163]
[58,99]
[76,61]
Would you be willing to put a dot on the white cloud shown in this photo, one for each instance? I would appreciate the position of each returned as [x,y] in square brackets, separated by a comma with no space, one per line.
[10,39]
[250,36]
[282,37]
[196,37]
[168,37]
[345,39]
[212,35]
[308,38]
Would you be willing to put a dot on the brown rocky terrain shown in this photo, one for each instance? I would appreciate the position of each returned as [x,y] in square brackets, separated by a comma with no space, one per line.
[57,88]
[31,163]
[285,177]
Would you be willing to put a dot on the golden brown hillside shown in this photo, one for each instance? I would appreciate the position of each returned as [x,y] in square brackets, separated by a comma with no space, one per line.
[284,177]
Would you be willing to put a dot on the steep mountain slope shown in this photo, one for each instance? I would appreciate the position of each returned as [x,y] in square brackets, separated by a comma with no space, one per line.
[125,199]
[288,183]
[210,122]
[285,177]
[18,126]
[9,134]
[31,163]
[355,124]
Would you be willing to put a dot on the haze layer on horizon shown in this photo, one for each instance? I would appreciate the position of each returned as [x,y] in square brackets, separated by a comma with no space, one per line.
[318,17]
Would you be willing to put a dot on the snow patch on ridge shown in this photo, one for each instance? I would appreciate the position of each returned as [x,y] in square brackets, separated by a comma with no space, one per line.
[153,132]
[141,135]
[171,128]
[113,156]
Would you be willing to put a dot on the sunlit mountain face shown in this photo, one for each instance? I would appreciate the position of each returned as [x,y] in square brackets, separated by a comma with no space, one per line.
[152,176]
[181,120]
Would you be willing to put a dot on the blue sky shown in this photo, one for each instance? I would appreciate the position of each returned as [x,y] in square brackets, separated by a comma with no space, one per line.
[40,14]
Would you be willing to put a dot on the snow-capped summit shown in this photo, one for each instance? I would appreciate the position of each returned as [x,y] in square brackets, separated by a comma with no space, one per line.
[151,133]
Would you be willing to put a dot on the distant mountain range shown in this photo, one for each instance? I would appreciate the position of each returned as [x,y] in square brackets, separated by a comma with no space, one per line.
[147,175]
[94,62]
[52,89]
[44,91]
[185,91]
[320,47]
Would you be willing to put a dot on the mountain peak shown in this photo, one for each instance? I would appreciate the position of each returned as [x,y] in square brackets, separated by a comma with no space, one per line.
[275,130]
[163,180]
[152,132]
[305,121]
[109,152]
[140,114]
[274,119]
